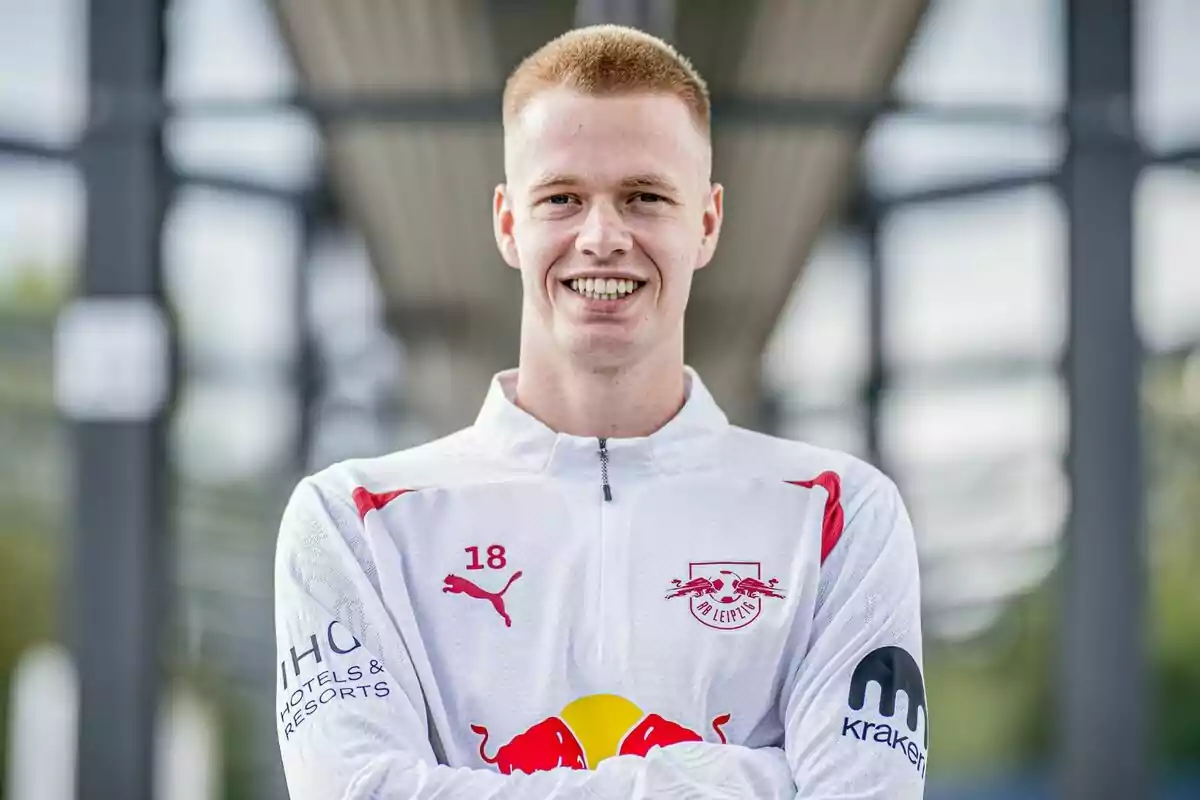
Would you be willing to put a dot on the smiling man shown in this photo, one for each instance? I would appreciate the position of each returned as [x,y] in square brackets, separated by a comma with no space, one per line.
[608,212]
[601,588]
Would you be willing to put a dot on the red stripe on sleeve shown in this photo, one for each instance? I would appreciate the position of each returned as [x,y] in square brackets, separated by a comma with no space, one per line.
[835,517]
[365,500]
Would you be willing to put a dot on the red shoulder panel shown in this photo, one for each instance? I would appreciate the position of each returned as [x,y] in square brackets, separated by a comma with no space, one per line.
[365,500]
[835,516]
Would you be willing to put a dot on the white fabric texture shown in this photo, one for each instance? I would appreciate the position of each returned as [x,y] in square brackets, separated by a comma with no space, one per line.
[469,618]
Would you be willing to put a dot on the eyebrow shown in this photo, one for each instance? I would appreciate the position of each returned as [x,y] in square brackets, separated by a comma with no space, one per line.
[554,179]
[650,180]
[647,180]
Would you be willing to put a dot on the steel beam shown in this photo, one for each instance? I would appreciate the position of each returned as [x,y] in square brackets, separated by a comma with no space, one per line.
[971,187]
[741,109]
[121,572]
[35,150]
[877,373]
[1103,677]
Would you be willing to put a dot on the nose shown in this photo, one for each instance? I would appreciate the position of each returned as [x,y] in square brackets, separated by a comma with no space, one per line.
[604,234]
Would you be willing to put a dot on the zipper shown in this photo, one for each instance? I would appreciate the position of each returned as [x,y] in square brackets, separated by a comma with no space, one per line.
[604,468]
[604,545]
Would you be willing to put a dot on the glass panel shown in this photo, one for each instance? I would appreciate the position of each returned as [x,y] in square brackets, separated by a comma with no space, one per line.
[981,472]
[909,154]
[975,281]
[229,431]
[359,412]
[1167,247]
[231,266]
[41,226]
[819,349]
[277,147]
[974,52]
[41,232]
[842,429]
[973,430]
[280,150]
[922,428]
[43,69]
[1167,63]
[253,60]
[988,51]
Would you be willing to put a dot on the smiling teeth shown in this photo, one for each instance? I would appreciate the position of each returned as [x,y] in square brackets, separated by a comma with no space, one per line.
[605,288]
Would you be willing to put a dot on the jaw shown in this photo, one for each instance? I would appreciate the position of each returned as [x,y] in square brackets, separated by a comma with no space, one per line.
[574,331]
[641,350]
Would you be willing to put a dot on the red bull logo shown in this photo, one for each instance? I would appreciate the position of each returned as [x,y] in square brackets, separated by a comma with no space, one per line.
[586,732]
[725,594]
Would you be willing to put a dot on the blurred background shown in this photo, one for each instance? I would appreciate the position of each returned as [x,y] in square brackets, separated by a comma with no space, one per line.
[243,239]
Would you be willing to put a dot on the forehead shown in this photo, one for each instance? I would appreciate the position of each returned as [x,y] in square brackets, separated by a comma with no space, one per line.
[564,132]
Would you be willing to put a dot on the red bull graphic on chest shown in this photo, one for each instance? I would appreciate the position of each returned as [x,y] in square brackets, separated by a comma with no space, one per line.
[586,732]
[725,595]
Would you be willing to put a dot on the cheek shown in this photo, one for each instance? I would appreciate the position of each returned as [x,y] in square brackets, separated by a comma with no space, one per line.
[539,245]
[538,252]
[676,253]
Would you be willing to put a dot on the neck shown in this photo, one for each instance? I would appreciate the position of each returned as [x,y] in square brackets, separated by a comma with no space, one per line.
[629,401]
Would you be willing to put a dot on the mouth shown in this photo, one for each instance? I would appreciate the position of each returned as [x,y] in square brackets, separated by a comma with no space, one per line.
[604,288]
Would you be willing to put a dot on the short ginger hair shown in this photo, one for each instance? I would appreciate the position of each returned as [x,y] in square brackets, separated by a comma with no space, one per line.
[608,60]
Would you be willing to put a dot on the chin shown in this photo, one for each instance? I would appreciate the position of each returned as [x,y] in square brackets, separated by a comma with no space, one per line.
[602,351]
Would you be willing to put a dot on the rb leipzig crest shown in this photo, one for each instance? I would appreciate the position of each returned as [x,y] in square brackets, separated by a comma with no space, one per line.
[725,595]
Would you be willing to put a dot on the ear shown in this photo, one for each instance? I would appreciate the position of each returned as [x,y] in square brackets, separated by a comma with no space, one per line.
[714,213]
[502,226]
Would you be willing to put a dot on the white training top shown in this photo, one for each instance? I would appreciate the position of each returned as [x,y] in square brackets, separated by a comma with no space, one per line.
[510,612]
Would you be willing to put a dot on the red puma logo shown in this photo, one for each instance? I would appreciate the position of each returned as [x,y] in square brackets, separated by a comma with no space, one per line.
[457,585]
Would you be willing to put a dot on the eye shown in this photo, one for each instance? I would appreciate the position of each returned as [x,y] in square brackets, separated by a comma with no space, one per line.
[650,197]
[559,199]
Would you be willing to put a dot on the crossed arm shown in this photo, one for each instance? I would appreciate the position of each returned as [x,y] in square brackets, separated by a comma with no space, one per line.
[353,723]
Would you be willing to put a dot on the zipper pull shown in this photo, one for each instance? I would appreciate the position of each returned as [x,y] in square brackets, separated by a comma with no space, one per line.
[604,468]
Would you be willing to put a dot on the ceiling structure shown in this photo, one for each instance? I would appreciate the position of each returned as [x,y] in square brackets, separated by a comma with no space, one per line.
[420,189]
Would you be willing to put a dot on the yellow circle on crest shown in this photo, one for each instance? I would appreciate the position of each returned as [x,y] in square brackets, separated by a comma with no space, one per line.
[600,721]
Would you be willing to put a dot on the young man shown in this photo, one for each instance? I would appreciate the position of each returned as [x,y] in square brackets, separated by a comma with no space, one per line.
[601,589]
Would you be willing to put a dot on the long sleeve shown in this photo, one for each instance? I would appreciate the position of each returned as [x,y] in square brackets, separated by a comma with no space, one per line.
[352,720]
[848,732]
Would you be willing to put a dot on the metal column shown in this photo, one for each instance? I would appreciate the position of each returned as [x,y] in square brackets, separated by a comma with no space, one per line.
[877,376]
[1103,679]
[314,211]
[113,375]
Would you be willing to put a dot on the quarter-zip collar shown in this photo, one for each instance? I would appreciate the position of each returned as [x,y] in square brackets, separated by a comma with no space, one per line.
[520,437]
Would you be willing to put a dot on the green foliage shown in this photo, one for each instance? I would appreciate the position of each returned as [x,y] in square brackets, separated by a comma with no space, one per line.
[988,698]
[35,290]
[28,604]
[993,701]
[1173,466]
[1175,609]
